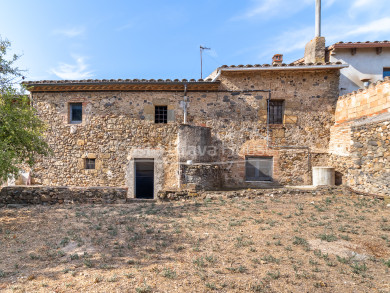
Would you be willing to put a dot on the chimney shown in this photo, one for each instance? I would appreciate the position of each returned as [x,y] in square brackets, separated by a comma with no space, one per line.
[315,49]
[277,59]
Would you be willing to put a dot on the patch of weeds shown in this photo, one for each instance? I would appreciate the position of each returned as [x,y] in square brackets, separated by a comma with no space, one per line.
[241,269]
[358,268]
[114,278]
[168,273]
[343,260]
[242,243]
[60,253]
[210,258]
[199,261]
[211,286]
[74,256]
[2,274]
[385,227]
[387,263]
[274,275]
[288,248]
[236,223]
[327,237]
[300,241]
[345,237]
[270,259]
[129,276]
[65,241]
[260,287]
[144,289]
[88,263]
[34,256]
[331,264]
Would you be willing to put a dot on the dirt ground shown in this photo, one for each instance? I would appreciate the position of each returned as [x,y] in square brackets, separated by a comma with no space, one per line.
[269,243]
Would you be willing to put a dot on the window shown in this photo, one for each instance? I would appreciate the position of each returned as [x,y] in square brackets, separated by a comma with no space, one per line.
[258,168]
[386,72]
[275,111]
[89,164]
[76,113]
[160,114]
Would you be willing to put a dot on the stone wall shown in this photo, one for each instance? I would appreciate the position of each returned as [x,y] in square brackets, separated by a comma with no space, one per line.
[117,123]
[52,195]
[364,102]
[360,139]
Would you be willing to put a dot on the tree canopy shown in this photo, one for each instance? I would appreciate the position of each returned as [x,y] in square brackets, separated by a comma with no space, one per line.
[21,130]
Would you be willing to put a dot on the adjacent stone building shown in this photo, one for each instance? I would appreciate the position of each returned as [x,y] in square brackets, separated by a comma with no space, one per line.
[246,126]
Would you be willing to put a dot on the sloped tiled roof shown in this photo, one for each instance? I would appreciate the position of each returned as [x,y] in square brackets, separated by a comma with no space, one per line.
[351,45]
[121,85]
[295,65]
[115,81]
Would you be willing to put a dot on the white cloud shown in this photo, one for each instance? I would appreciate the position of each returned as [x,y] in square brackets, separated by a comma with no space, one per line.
[70,32]
[368,8]
[73,71]
[270,8]
[375,27]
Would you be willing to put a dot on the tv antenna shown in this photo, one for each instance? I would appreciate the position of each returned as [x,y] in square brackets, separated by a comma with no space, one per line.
[201,60]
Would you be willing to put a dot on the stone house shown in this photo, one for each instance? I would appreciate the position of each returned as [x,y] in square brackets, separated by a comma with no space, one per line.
[246,127]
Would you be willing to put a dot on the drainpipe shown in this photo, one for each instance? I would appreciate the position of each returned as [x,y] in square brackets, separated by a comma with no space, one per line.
[185,104]
[285,146]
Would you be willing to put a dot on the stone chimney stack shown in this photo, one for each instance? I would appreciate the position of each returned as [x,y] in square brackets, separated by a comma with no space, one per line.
[315,49]
[277,59]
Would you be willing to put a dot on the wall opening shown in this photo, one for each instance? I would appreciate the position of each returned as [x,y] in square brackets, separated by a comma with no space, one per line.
[144,178]
[258,168]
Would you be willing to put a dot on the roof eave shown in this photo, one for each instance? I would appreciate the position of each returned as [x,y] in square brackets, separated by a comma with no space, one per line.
[297,67]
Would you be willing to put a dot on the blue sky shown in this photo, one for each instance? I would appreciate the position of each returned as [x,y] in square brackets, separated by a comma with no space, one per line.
[160,39]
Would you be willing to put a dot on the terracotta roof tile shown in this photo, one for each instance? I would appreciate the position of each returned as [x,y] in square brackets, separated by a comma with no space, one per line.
[366,44]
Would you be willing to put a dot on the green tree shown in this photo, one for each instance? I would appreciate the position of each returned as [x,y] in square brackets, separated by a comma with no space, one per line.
[21,131]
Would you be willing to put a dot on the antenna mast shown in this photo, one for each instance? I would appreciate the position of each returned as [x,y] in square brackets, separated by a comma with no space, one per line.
[201,60]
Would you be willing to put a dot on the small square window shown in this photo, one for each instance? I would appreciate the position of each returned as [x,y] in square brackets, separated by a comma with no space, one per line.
[275,111]
[89,164]
[386,72]
[258,168]
[76,113]
[160,114]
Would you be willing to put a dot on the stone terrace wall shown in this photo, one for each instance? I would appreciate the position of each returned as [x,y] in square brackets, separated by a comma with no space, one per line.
[116,123]
[370,153]
[53,195]
[360,139]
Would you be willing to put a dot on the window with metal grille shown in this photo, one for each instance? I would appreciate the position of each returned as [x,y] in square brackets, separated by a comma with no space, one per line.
[258,168]
[275,111]
[76,113]
[160,114]
[386,72]
[89,164]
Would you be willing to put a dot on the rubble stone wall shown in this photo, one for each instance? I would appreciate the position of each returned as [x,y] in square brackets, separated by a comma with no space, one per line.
[360,139]
[115,123]
[53,195]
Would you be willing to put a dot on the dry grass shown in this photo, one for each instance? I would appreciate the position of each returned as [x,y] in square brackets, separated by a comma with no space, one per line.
[328,243]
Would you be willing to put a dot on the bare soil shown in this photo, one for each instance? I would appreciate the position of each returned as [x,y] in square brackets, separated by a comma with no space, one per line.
[292,243]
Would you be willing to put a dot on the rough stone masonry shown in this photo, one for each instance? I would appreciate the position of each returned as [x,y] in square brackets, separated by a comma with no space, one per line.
[118,128]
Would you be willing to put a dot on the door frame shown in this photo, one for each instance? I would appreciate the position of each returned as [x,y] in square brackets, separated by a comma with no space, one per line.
[135,174]
[157,156]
